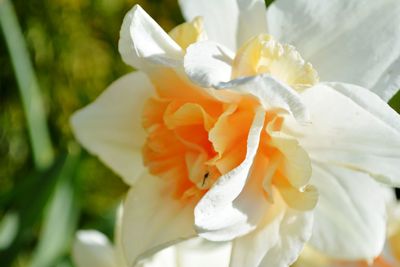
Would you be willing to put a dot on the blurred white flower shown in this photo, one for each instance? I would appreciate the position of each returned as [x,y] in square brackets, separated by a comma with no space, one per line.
[93,249]
[228,140]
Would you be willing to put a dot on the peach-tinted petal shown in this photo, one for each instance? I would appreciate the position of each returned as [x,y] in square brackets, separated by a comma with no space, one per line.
[295,162]
[216,218]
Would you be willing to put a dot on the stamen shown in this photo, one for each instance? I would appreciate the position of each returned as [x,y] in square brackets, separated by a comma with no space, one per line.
[205,178]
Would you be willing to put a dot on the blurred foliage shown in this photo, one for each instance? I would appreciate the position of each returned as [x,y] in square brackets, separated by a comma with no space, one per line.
[73,48]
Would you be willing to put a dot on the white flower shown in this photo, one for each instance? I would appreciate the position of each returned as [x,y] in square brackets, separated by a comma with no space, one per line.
[235,161]
[93,249]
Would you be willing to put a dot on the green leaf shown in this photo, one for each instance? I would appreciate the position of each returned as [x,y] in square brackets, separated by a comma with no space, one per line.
[42,150]
[60,220]
[28,202]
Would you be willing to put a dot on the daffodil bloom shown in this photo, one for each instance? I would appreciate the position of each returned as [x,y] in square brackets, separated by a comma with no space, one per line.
[228,133]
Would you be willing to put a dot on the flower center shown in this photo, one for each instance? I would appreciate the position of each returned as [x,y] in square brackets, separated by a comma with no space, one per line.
[191,142]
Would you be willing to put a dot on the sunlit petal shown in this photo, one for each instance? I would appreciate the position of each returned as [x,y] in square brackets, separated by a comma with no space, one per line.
[220,18]
[111,126]
[353,41]
[208,63]
[142,41]
[346,131]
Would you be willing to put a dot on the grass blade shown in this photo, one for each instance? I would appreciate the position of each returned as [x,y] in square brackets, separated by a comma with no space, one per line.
[42,150]
[60,219]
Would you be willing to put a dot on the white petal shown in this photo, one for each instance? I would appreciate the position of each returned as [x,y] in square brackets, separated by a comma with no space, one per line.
[228,22]
[252,20]
[153,218]
[208,63]
[110,127]
[370,102]
[163,258]
[350,217]
[219,216]
[354,41]
[199,252]
[92,248]
[357,131]
[277,242]
[119,252]
[389,83]
[271,93]
[195,252]
[220,18]
[142,41]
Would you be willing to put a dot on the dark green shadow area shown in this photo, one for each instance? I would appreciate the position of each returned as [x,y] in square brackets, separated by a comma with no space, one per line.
[395,102]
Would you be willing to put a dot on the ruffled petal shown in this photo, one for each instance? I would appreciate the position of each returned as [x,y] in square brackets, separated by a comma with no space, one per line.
[271,93]
[154,219]
[111,126]
[228,210]
[277,241]
[353,41]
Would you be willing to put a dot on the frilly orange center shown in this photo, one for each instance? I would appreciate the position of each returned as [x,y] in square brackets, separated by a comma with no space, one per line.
[195,135]
[194,138]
